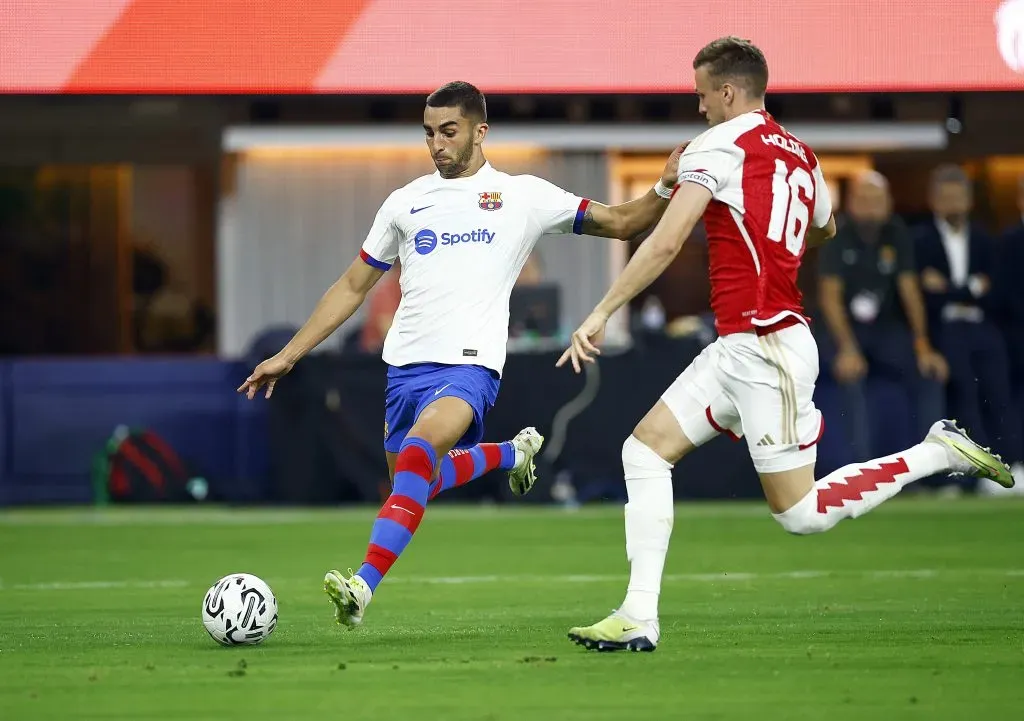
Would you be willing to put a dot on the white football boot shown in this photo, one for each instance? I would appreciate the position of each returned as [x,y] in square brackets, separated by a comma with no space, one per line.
[966,457]
[350,597]
[522,477]
[617,633]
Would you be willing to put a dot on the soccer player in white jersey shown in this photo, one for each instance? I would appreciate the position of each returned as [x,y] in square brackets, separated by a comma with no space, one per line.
[762,196]
[463,235]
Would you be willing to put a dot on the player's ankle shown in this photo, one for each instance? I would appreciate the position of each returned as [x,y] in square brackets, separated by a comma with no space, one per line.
[640,606]
[364,588]
[520,457]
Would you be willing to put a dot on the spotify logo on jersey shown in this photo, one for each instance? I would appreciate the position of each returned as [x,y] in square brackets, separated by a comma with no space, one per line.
[425,241]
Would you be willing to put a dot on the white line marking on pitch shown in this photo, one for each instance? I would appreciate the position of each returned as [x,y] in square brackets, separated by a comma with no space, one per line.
[217,515]
[712,577]
[802,575]
[92,585]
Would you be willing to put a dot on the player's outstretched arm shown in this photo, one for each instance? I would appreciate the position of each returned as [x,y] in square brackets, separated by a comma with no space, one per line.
[649,261]
[628,220]
[335,307]
[659,249]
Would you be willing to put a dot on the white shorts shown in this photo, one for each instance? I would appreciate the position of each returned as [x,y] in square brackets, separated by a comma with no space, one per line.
[761,387]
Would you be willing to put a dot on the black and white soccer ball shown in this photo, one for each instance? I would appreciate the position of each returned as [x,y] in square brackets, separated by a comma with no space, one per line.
[240,610]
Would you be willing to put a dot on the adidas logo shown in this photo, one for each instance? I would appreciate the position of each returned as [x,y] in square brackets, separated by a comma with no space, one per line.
[766,440]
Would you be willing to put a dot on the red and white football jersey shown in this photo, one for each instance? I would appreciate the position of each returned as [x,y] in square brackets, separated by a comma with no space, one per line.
[766,188]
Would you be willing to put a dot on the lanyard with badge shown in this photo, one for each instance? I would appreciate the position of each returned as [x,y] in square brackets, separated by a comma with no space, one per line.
[867,304]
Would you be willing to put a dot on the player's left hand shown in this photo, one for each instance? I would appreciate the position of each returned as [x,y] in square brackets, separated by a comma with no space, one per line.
[583,348]
[267,373]
[670,175]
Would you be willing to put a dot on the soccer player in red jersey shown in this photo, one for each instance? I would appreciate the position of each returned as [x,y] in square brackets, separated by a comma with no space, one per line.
[763,199]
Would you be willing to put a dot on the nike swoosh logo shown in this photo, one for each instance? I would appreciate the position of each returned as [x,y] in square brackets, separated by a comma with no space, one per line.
[441,388]
[399,508]
[413,211]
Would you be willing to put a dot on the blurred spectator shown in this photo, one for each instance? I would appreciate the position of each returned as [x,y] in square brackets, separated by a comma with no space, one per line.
[174,323]
[165,317]
[380,312]
[1011,291]
[874,311]
[149,277]
[956,259]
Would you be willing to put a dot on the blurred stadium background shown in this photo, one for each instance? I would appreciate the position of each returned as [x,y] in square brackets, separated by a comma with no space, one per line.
[179,182]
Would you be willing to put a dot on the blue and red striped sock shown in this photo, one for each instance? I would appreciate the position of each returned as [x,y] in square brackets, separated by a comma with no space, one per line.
[402,511]
[460,467]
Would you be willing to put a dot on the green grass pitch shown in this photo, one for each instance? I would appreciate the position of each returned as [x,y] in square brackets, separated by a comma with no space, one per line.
[913,612]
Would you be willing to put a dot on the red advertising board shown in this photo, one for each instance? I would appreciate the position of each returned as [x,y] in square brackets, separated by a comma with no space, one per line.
[537,46]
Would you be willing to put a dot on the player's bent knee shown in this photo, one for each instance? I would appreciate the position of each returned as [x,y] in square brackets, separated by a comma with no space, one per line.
[803,526]
[639,460]
[803,518]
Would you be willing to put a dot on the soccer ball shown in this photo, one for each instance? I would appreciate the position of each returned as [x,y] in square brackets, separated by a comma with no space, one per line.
[240,610]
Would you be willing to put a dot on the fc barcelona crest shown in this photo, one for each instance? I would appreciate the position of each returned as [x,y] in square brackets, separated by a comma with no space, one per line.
[490,201]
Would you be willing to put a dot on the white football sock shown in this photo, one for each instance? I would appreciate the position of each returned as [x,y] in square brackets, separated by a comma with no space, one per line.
[649,515]
[855,489]
[520,457]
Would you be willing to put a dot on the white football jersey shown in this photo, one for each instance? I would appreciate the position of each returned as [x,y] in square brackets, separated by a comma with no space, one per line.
[462,244]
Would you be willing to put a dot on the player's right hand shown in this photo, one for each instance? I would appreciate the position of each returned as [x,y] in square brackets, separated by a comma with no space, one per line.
[583,347]
[670,175]
[849,366]
[267,373]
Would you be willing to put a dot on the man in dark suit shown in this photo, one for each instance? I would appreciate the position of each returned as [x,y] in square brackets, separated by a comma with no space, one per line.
[957,260]
[872,305]
[1010,287]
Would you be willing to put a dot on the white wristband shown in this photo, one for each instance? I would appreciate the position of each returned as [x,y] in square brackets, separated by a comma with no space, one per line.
[662,190]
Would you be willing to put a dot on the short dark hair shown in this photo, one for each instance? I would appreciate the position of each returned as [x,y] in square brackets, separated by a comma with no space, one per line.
[462,95]
[732,58]
[949,174]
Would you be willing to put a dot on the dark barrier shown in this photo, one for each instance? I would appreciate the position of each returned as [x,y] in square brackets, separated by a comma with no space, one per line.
[319,440]
[56,414]
[328,423]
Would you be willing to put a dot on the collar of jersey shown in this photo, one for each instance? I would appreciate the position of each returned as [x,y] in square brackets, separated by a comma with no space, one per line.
[485,169]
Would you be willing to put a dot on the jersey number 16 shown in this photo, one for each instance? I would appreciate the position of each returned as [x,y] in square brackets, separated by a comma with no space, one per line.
[790,213]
